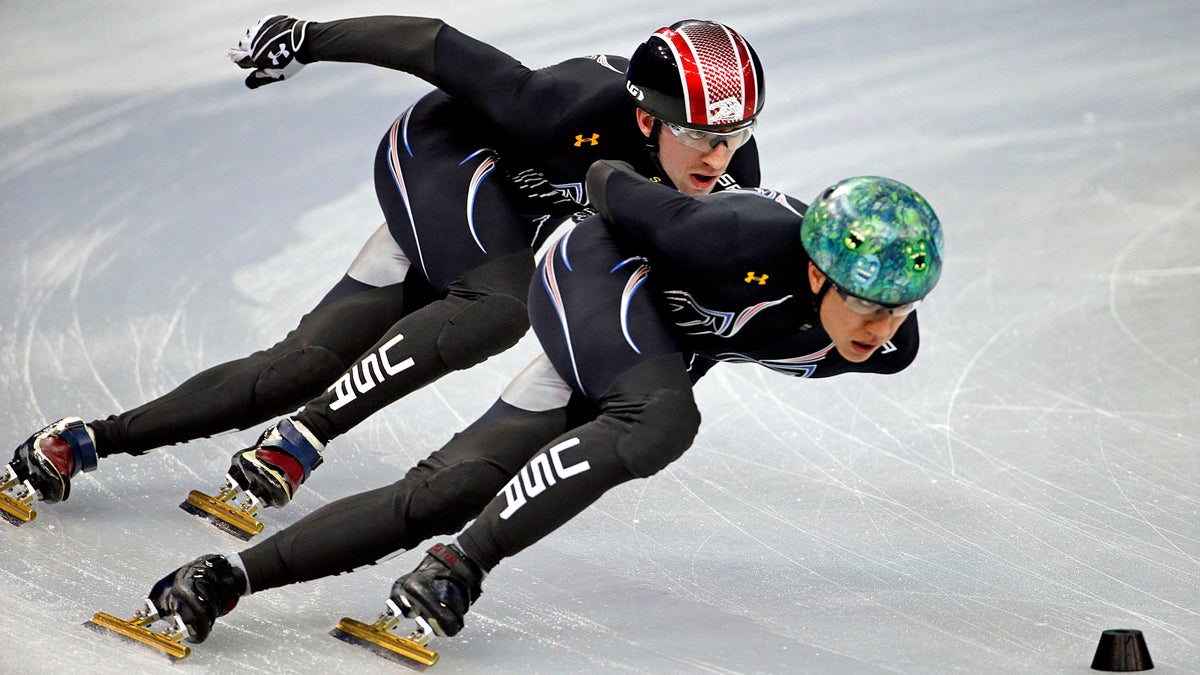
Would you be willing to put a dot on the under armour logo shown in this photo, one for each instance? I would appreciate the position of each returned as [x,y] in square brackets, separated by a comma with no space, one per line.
[580,140]
[751,277]
[283,53]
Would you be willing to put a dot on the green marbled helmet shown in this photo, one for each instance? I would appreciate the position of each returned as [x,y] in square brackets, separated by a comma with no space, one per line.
[875,238]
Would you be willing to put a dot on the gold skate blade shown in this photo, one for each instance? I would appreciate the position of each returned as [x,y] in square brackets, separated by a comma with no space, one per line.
[15,506]
[13,509]
[376,638]
[234,520]
[135,629]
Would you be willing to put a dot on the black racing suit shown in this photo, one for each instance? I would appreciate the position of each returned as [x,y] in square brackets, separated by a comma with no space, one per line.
[471,180]
[630,313]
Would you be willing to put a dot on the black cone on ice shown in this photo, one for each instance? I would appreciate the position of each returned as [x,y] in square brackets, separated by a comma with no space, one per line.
[1122,650]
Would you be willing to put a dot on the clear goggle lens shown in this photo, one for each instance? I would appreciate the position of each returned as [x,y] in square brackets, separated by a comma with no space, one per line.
[704,141]
[867,307]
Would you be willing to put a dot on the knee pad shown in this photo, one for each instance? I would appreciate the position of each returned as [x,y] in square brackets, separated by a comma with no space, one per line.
[452,496]
[290,380]
[485,326]
[659,430]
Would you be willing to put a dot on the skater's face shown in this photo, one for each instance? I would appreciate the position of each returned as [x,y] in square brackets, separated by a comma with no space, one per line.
[855,336]
[693,170]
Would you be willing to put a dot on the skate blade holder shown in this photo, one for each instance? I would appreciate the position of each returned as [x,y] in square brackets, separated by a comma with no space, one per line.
[15,498]
[381,638]
[137,628]
[232,510]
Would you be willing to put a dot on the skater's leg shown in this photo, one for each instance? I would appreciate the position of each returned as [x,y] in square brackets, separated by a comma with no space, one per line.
[373,294]
[247,391]
[438,496]
[612,345]
[482,315]
[647,420]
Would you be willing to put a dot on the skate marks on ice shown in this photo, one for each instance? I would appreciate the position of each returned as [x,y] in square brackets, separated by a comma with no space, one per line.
[1030,482]
[1055,496]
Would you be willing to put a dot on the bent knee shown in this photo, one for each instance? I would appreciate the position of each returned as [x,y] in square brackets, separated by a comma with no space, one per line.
[444,501]
[659,432]
[292,378]
[484,327]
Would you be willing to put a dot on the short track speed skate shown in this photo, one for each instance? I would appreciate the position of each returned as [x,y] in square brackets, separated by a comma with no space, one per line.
[383,638]
[42,468]
[140,628]
[231,510]
[16,496]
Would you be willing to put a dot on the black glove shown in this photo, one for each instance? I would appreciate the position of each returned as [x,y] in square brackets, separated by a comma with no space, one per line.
[269,48]
[597,179]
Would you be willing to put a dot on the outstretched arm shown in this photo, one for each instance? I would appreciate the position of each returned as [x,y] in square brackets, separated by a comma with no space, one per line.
[475,73]
[278,46]
[655,219]
[405,43]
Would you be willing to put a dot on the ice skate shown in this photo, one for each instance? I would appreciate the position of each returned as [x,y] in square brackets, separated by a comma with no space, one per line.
[436,596]
[267,474]
[168,638]
[440,590]
[188,600]
[15,498]
[42,468]
[274,468]
[231,510]
[384,638]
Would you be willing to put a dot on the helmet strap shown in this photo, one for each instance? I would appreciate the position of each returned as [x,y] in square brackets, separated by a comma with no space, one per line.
[652,147]
[818,298]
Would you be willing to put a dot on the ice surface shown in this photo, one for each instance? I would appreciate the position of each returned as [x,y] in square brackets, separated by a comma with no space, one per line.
[1032,480]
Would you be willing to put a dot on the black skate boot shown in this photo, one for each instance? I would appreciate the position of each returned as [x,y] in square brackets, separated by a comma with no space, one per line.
[199,592]
[274,468]
[49,458]
[440,590]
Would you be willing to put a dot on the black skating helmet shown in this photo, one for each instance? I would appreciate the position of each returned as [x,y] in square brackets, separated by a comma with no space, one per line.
[697,74]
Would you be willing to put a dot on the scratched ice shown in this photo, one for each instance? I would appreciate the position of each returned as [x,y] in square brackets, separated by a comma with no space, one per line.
[1031,481]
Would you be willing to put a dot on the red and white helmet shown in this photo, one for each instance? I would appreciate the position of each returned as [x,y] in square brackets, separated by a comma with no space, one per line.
[697,74]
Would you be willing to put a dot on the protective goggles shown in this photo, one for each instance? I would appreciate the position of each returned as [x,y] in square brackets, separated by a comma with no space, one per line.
[868,307]
[707,140]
